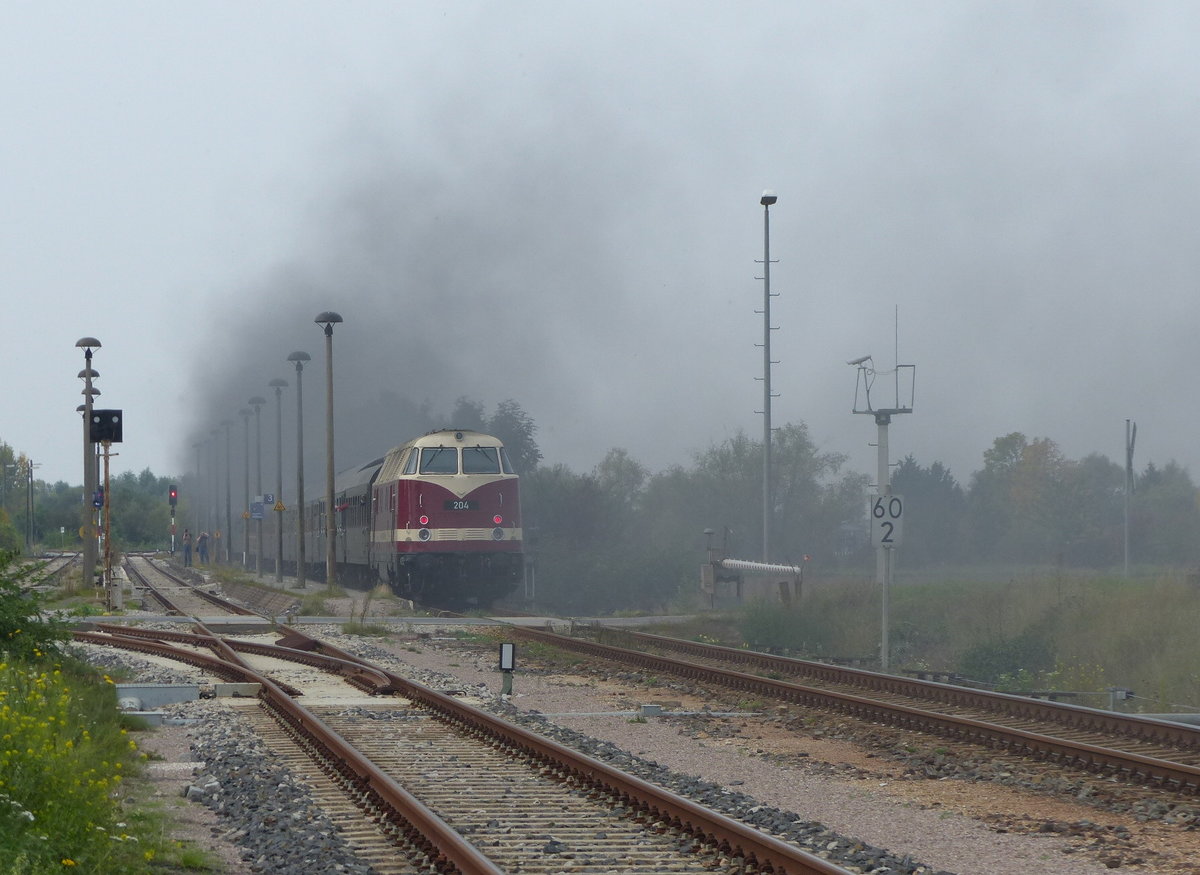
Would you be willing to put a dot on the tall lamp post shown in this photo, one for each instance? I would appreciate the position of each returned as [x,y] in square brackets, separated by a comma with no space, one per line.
[228,538]
[768,197]
[1130,440]
[214,505]
[87,344]
[257,403]
[198,498]
[278,385]
[29,466]
[329,319]
[300,357]
[246,413]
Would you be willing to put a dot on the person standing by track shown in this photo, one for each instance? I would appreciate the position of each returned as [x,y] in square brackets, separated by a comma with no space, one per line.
[202,547]
[187,548]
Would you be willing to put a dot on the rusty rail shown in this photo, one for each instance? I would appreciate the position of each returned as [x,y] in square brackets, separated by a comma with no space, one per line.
[1074,717]
[730,836]
[1146,769]
[214,600]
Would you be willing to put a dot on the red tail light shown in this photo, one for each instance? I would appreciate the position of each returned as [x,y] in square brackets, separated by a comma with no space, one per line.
[424,521]
[497,519]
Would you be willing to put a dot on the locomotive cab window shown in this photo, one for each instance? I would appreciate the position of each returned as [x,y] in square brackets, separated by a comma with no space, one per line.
[439,460]
[480,460]
[410,464]
[506,465]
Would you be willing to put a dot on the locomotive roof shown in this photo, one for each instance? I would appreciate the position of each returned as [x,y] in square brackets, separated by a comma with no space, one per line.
[363,475]
[451,436]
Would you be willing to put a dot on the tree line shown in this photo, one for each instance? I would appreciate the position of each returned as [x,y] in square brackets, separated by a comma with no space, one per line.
[140,514]
[1030,504]
[621,537]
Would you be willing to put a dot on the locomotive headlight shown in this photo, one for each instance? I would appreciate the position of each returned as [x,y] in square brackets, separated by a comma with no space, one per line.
[497,519]
[424,520]
[497,534]
[424,534]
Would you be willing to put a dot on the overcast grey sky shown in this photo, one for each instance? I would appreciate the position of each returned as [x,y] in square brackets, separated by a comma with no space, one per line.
[558,203]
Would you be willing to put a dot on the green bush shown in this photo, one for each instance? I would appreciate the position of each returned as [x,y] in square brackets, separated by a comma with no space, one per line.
[1024,655]
[63,756]
[64,752]
[24,632]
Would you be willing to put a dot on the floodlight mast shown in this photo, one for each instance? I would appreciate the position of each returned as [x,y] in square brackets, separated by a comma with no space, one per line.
[905,375]
[767,200]
[1130,440]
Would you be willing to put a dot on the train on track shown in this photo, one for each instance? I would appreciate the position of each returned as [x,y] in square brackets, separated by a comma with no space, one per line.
[437,519]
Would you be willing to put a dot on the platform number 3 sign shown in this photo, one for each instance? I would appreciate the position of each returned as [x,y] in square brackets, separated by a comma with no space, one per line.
[887,517]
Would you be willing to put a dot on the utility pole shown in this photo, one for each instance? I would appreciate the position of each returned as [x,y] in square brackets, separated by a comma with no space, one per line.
[1130,440]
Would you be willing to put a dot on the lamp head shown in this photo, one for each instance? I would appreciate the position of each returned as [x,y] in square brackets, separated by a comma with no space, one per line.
[328,319]
[768,197]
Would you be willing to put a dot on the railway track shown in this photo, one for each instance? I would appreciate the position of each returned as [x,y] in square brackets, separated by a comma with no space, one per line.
[176,595]
[456,789]
[1154,753]
[40,573]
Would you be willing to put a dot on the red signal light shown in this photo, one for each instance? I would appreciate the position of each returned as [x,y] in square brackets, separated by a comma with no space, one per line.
[424,520]
[497,519]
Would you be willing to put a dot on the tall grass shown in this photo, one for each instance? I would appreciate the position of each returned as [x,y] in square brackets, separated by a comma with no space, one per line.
[64,755]
[1033,629]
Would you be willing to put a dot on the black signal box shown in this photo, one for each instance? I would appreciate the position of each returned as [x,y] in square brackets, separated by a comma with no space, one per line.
[105,426]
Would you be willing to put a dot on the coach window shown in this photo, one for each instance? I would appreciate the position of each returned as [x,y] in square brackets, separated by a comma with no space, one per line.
[439,460]
[480,460]
[410,466]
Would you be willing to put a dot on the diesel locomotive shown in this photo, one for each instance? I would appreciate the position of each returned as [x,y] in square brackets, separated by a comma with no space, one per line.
[437,519]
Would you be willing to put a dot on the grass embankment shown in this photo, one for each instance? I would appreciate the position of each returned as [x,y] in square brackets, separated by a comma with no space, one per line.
[67,757]
[1045,631]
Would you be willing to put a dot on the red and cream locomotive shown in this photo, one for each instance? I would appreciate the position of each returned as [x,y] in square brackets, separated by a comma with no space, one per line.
[438,519]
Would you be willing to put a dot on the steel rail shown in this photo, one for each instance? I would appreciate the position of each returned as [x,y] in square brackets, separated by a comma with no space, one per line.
[214,664]
[404,813]
[365,677]
[1075,717]
[212,642]
[155,593]
[1179,776]
[421,827]
[215,600]
[729,836]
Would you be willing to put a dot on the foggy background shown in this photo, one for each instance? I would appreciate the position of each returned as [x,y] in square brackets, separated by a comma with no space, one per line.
[559,204]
